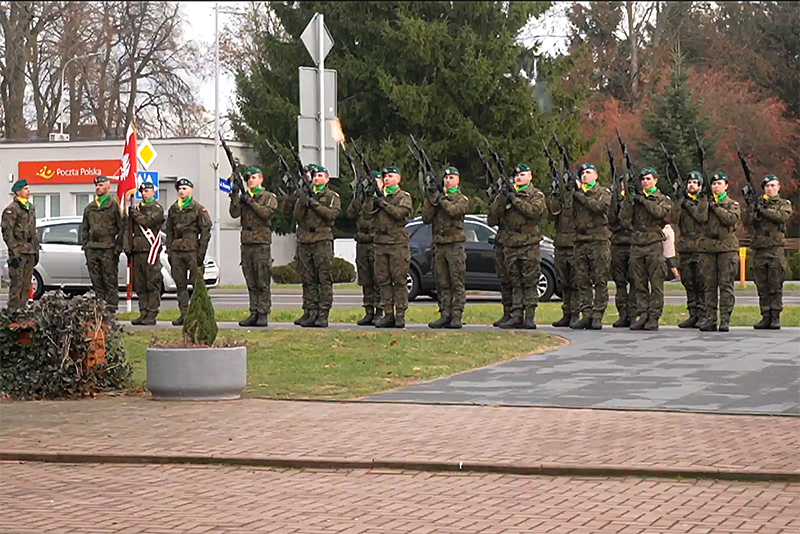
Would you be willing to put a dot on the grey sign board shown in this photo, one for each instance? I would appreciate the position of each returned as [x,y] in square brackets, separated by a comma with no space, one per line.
[310,38]
[309,92]
[308,142]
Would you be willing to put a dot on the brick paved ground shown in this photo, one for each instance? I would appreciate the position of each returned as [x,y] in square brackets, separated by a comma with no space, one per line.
[369,431]
[64,499]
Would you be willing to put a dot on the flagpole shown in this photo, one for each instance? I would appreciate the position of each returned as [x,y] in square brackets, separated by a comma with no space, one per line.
[129,288]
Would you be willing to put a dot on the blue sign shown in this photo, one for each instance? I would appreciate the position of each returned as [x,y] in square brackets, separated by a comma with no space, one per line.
[146,176]
[224,185]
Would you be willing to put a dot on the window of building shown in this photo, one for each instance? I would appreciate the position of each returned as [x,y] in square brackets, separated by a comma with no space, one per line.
[47,205]
[81,201]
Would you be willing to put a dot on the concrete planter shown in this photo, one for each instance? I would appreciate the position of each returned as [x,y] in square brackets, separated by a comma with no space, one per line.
[197,374]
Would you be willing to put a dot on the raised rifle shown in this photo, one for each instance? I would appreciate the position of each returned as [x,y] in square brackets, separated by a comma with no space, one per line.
[237,183]
[492,181]
[429,182]
[677,184]
[616,189]
[571,178]
[369,186]
[631,185]
[506,181]
[291,184]
[701,155]
[305,185]
[556,184]
[749,190]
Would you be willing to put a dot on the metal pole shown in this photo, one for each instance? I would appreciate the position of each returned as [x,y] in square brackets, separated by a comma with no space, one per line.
[321,51]
[217,245]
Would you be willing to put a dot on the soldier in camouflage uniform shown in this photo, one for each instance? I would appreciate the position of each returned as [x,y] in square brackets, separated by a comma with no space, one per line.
[688,220]
[19,233]
[522,210]
[719,260]
[188,233]
[362,208]
[768,219]
[446,213]
[144,250]
[315,217]
[102,233]
[562,213]
[592,248]
[647,209]
[495,218]
[392,252]
[624,299]
[255,208]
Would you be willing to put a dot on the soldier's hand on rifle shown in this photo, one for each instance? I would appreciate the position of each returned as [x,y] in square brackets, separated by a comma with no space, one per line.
[380,201]
[14,262]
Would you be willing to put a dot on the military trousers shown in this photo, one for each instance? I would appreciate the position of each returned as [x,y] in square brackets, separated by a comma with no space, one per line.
[183,268]
[592,268]
[769,273]
[523,266]
[647,272]
[103,266]
[365,269]
[391,273]
[719,274]
[315,263]
[257,270]
[624,299]
[450,269]
[502,275]
[565,272]
[692,280]
[147,281]
[21,279]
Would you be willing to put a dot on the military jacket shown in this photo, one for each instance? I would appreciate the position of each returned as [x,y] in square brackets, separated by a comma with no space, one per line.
[769,223]
[495,218]
[447,218]
[647,217]
[688,219]
[256,217]
[391,218]
[19,229]
[720,229]
[562,213]
[521,217]
[103,227]
[362,209]
[315,221]
[144,216]
[620,227]
[591,214]
[188,229]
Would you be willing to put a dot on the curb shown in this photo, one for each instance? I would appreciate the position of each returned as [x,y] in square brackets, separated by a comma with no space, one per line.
[408,465]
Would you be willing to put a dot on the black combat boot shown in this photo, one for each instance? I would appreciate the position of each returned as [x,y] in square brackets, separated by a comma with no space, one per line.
[574,319]
[691,322]
[303,318]
[564,321]
[455,322]
[322,319]
[139,319]
[709,325]
[400,319]
[597,324]
[623,322]
[441,322]
[312,317]
[179,320]
[766,319]
[149,319]
[387,321]
[530,319]
[262,320]
[251,320]
[583,324]
[775,320]
[651,324]
[514,321]
[724,324]
[368,318]
[506,316]
[639,323]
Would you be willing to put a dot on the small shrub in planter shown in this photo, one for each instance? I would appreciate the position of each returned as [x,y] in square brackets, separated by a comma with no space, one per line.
[200,325]
[61,348]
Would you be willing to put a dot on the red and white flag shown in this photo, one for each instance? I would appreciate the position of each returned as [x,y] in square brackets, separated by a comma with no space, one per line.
[127,174]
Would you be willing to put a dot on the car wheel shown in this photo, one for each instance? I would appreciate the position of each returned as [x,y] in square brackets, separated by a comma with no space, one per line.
[413,283]
[38,285]
[547,285]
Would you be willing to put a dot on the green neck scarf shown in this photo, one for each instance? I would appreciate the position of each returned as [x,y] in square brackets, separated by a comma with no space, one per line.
[391,190]
[148,200]
[521,187]
[589,187]
[102,200]
[452,190]
[256,191]
[651,191]
[721,196]
[318,188]
[25,202]
[183,204]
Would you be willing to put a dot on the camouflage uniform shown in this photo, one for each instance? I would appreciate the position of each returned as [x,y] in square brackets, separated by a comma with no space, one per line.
[562,213]
[146,277]
[592,254]
[315,253]
[19,233]
[719,261]
[102,232]
[769,261]
[450,258]
[521,215]
[188,233]
[392,256]
[255,242]
[688,218]
[363,210]
[495,218]
[648,267]
[620,264]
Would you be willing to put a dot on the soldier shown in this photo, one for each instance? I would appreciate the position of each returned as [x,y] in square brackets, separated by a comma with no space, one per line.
[315,217]
[256,208]
[101,238]
[188,233]
[522,208]
[362,208]
[647,208]
[446,213]
[769,218]
[144,249]
[624,299]
[392,252]
[592,248]
[719,261]
[495,218]
[19,233]
[689,215]
[287,210]
[562,213]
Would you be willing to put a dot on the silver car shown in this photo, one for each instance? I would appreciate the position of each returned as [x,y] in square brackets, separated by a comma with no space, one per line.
[62,264]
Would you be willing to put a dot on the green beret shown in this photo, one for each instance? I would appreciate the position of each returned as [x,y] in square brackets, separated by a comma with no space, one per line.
[146,185]
[719,176]
[521,168]
[375,174]
[252,170]
[309,168]
[320,168]
[100,179]
[391,169]
[587,166]
[768,178]
[19,184]
[451,170]
[695,176]
[183,181]
[648,170]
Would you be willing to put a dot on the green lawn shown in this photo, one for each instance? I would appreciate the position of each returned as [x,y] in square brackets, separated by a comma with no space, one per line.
[329,364]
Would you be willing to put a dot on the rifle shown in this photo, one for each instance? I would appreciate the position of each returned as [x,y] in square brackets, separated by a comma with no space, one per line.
[616,190]
[571,178]
[556,185]
[701,155]
[506,181]
[369,186]
[305,185]
[287,170]
[678,186]
[429,181]
[237,183]
[631,185]
[748,191]
[492,182]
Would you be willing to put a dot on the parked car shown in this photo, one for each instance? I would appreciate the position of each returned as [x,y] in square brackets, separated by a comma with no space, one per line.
[481,275]
[62,264]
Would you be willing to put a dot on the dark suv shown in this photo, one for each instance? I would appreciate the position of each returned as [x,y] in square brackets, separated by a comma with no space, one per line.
[481,275]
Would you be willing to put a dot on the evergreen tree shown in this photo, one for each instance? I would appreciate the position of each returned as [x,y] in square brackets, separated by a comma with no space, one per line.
[200,325]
